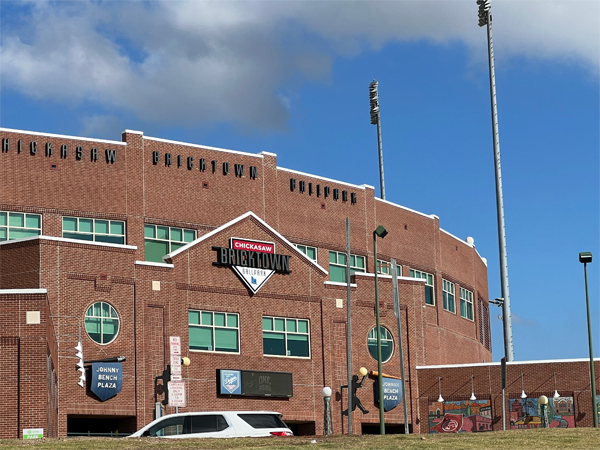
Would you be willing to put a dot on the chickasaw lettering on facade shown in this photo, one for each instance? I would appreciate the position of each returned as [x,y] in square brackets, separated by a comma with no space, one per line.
[111,154]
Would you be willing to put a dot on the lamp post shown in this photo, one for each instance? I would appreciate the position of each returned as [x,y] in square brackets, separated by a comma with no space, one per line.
[586,257]
[485,18]
[381,232]
[376,120]
[327,426]
[543,402]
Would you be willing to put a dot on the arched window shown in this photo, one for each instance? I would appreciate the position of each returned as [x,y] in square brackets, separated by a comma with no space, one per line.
[102,323]
[387,344]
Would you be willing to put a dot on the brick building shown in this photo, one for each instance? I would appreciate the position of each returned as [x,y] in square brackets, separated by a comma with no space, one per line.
[120,245]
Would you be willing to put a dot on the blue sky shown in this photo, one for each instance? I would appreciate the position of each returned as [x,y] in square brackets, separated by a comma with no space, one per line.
[292,78]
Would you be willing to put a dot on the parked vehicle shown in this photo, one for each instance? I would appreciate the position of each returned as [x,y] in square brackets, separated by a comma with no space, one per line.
[216,424]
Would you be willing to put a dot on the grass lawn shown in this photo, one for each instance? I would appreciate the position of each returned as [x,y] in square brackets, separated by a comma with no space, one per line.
[554,438]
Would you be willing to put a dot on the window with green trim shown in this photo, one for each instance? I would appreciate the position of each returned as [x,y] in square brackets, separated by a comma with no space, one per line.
[385,268]
[337,265]
[102,323]
[387,343]
[214,331]
[429,280]
[466,304]
[96,230]
[14,225]
[160,240]
[448,294]
[309,251]
[286,337]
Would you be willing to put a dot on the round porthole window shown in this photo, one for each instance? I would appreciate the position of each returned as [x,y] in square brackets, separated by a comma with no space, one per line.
[387,344]
[102,323]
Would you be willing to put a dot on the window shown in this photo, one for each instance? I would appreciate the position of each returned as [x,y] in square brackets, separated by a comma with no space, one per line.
[263,420]
[387,344]
[159,240]
[19,225]
[448,292]
[466,304]
[384,268]
[429,294]
[98,230]
[214,331]
[311,252]
[102,323]
[286,337]
[337,265]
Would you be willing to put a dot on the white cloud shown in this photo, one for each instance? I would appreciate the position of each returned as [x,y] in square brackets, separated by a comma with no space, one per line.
[197,62]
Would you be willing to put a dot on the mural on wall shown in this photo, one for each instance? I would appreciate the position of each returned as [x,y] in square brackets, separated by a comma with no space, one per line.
[526,413]
[464,416]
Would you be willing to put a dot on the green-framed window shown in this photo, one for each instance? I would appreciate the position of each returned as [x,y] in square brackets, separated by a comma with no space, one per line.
[309,251]
[96,230]
[102,323]
[466,304]
[212,331]
[387,343]
[286,337]
[160,240]
[448,294]
[429,285]
[15,225]
[385,268]
[337,265]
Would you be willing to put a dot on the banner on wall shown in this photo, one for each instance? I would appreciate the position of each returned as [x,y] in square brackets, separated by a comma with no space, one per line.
[392,392]
[107,379]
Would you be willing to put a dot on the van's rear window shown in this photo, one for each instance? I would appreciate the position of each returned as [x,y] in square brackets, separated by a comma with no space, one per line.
[263,420]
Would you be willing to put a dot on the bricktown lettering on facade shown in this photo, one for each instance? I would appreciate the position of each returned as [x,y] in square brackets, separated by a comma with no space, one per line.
[121,245]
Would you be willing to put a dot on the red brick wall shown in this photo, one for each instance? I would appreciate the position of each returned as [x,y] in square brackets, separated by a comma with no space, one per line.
[572,379]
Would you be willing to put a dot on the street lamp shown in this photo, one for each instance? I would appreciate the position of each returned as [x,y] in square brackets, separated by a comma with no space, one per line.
[485,18]
[327,426]
[381,232]
[586,257]
[543,402]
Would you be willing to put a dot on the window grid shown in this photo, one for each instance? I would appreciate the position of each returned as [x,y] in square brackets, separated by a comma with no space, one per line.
[295,334]
[14,225]
[384,268]
[429,283]
[161,240]
[387,344]
[102,323]
[448,293]
[96,230]
[213,331]
[309,251]
[337,265]
[466,304]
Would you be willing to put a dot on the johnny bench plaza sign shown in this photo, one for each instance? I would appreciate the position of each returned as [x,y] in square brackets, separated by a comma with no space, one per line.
[254,261]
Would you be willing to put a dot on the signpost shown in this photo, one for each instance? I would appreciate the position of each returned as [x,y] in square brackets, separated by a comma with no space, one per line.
[177,394]
[176,387]
[33,433]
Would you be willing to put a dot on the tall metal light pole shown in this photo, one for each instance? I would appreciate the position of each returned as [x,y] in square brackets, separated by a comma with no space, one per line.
[586,257]
[379,232]
[485,18]
[376,120]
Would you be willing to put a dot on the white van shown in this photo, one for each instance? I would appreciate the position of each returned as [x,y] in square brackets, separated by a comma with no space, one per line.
[216,424]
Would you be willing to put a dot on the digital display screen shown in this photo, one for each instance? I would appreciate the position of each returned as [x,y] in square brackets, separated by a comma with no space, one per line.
[256,383]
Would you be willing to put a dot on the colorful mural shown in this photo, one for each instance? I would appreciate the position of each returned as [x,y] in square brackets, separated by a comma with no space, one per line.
[465,416]
[526,413]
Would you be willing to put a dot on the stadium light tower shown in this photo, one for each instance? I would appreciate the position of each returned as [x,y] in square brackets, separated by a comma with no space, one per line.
[376,120]
[485,18]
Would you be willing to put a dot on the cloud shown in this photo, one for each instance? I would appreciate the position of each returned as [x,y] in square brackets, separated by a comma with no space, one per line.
[190,63]
[523,322]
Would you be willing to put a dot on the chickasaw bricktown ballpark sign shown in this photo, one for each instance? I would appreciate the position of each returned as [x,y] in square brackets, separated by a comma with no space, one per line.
[254,261]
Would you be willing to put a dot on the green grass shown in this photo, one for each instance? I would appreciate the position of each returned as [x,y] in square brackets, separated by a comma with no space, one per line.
[575,438]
